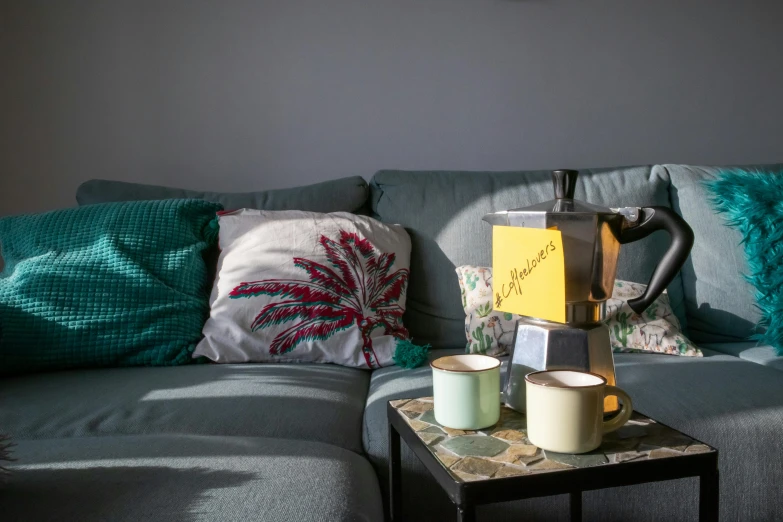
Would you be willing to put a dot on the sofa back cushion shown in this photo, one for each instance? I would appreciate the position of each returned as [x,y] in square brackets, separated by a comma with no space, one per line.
[442,212]
[340,195]
[720,304]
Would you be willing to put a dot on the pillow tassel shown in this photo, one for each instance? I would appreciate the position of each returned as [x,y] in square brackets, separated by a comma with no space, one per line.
[212,230]
[408,355]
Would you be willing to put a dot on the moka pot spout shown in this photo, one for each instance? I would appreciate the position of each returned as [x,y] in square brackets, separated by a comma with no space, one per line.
[497,218]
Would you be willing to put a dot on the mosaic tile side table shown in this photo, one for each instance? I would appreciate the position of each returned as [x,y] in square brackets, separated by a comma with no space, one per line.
[499,464]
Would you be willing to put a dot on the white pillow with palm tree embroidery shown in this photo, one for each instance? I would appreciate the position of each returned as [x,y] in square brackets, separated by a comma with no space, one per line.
[656,330]
[298,286]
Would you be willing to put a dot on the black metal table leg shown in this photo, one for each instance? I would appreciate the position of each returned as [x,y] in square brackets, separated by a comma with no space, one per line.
[709,496]
[395,493]
[576,506]
[466,513]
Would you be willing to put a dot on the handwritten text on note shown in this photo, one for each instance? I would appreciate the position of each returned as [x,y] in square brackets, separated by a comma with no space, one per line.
[528,272]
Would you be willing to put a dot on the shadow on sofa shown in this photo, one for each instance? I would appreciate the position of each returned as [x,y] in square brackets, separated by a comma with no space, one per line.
[187,478]
[127,492]
[704,332]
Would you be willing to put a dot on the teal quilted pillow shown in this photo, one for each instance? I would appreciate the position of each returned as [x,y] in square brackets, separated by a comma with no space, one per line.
[116,284]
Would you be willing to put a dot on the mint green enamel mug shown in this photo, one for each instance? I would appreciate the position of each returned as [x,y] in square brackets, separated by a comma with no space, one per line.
[466,391]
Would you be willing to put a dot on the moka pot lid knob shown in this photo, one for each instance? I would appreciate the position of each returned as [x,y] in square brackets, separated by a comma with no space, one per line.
[564,182]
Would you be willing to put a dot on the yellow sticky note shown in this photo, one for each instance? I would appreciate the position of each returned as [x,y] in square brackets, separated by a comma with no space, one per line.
[528,272]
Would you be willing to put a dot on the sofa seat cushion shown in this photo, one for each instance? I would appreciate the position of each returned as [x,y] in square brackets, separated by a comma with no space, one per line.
[442,212]
[316,402]
[188,478]
[734,405]
[749,351]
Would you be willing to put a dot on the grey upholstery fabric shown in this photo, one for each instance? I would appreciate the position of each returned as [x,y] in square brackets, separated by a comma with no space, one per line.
[341,195]
[749,351]
[179,478]
[719,303]
[318,402]
[735,405]
[442,212]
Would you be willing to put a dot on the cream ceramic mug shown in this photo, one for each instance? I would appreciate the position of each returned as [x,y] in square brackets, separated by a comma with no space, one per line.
[565,410]
[466,391]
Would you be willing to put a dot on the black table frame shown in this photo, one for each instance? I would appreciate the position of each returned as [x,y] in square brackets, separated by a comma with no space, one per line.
[467,495]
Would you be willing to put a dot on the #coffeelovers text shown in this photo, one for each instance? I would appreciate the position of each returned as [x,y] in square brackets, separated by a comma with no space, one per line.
[517,275]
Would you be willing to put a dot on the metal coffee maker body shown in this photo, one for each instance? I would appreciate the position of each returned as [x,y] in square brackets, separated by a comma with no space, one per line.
[592,236]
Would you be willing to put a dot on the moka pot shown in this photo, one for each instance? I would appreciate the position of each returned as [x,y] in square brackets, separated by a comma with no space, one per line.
[591,236]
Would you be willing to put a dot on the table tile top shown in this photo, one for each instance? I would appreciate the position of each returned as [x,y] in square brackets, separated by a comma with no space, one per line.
[503,450]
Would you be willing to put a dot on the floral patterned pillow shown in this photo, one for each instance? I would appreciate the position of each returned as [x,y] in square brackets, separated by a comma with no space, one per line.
[656,330]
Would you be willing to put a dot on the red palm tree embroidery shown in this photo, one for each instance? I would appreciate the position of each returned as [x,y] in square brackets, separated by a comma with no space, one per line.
[358,290]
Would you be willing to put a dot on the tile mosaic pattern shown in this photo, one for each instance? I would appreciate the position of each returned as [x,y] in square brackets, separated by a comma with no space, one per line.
[503,450]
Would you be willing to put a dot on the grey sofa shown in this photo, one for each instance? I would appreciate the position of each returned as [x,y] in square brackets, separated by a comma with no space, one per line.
[309,442]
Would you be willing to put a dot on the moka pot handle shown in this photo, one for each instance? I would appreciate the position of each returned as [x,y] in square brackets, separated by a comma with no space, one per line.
[650,220]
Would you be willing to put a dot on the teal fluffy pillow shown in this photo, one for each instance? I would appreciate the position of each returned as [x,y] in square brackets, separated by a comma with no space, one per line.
[116,284]
[752,202]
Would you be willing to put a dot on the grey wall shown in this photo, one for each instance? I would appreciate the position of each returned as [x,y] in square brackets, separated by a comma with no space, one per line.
[243,95]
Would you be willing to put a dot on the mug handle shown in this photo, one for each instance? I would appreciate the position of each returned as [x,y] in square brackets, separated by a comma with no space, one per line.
[625,413]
